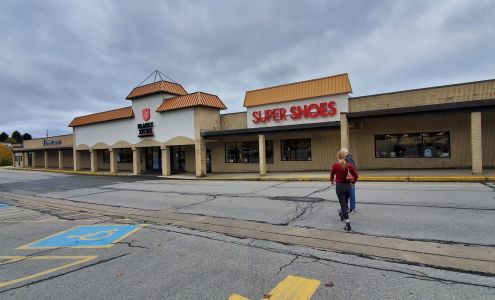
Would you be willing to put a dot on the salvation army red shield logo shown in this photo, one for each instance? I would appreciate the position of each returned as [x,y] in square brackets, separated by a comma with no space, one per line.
[146,114]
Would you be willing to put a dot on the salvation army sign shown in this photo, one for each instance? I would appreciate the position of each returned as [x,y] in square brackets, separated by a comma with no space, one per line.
[146,114]
[314,110]
[145,129]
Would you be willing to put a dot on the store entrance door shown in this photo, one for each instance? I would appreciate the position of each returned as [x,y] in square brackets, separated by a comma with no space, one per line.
[153,159]
[178,159]
[208,161]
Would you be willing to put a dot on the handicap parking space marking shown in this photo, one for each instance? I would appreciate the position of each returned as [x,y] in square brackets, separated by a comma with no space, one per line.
[75,260]
[85,236]
[4,205]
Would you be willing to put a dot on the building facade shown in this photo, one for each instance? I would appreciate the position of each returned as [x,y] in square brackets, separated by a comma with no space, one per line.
[293,127]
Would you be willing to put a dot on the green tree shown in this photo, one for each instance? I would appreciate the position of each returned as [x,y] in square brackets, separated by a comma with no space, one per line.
[10,140]
[3,136]
[5,156]
[16,135]
[26,137]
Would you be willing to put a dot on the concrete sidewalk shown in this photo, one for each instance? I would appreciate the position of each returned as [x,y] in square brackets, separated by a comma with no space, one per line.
[430,175]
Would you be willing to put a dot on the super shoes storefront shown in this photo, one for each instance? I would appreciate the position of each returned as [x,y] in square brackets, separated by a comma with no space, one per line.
[292,127]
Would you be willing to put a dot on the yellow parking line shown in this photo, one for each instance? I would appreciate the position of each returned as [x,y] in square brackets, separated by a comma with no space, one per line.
[79,260]
[292,287]
[237,297]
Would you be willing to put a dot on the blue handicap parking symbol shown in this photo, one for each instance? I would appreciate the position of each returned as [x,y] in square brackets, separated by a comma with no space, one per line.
[3,205]
[86,236]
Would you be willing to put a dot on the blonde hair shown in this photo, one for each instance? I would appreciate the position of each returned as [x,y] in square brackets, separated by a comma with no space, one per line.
[341,157]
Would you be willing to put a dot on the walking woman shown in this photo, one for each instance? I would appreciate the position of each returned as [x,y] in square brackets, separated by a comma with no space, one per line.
[343,174]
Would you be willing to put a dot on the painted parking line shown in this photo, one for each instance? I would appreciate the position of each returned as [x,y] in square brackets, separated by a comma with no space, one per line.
[85,236]
[292,287]
[76,260]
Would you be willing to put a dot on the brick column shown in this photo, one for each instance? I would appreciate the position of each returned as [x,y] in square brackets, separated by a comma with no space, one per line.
[113,161]
[344,131]
[136,161]
[33,160]
[60,160]
[476,143]
[46,159]
[200,154]
[166,167]
[77,160]
[262,154]
[94,160]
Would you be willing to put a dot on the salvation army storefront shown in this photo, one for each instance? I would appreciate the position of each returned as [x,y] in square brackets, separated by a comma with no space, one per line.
[292,127]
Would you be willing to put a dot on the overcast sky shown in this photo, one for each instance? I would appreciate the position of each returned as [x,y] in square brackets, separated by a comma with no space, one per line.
[61,59]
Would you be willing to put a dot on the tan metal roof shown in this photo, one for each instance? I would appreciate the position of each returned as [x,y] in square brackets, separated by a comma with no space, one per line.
[194,99]
[331,85]
[161,86]
[116,114]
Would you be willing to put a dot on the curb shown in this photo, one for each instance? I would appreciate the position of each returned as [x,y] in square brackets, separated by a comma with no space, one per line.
[474,178]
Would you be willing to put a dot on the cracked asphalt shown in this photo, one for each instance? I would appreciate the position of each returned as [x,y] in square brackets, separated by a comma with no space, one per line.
[169,262]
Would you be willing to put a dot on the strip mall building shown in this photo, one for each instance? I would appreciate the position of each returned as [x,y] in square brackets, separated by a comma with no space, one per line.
[293,127]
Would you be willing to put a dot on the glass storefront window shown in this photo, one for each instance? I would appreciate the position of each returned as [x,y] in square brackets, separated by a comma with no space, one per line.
[247,152]
[295,150]
[385,145]
[413,145]
[124,155]
[436,144]
[106,156]
[409,145]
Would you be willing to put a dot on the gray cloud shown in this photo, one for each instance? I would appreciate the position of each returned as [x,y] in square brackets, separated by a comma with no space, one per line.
[61,59]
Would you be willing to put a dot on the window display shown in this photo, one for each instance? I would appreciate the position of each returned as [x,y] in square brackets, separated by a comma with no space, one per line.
[411,145]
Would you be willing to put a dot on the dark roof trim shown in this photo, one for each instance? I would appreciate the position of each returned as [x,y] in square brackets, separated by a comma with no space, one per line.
[471,105]
[154,93]
[41,149]
[270,129]
[420,89]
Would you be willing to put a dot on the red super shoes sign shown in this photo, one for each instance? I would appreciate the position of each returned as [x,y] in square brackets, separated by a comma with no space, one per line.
[314,110]
[296,112]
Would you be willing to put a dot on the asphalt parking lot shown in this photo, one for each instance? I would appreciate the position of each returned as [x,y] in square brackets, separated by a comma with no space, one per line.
[170,262]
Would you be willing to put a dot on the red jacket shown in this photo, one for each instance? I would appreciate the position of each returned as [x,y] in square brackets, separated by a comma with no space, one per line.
[340,174]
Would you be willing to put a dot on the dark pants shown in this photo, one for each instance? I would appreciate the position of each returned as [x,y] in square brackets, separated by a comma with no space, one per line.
[343,193]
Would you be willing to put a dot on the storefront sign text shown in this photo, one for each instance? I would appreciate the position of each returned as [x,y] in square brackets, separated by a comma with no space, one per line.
[46,142]
[296,112]
[145,129]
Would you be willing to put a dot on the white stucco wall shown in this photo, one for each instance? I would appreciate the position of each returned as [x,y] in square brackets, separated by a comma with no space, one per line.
[166,125]
[341,104]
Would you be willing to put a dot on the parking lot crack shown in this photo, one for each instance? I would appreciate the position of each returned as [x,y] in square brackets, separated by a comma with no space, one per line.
[286,265]
[131,245]
[210,198]
[300,213]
